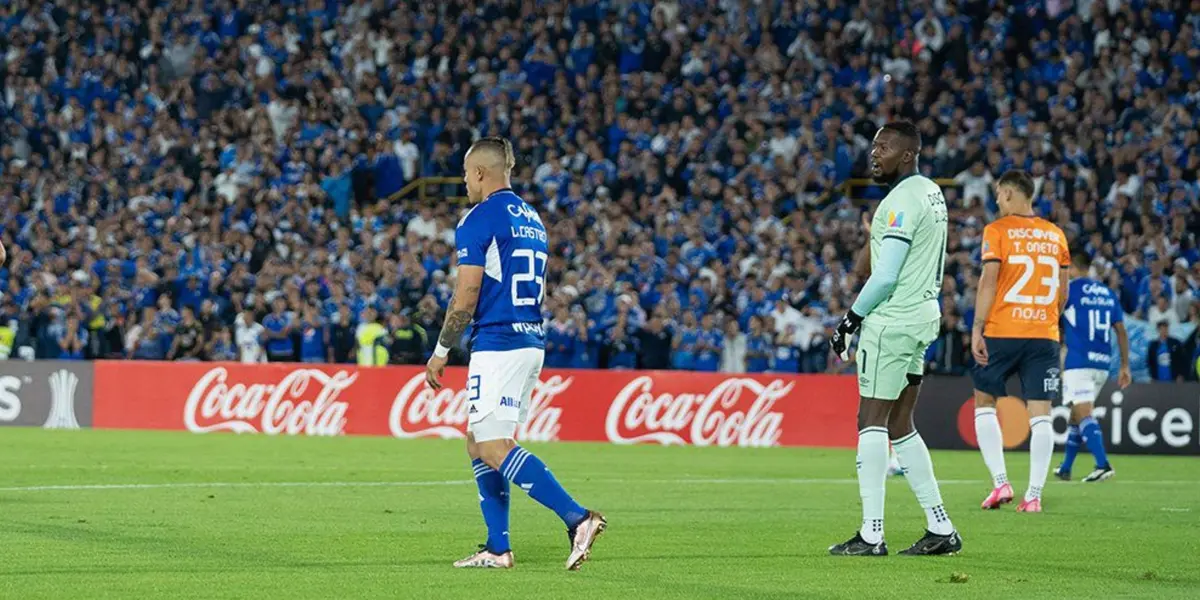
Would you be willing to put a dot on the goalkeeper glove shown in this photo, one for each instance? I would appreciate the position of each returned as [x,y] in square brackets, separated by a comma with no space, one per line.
[841,335]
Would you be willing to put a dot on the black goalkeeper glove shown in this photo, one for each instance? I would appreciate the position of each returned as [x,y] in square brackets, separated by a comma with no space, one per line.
[845,329]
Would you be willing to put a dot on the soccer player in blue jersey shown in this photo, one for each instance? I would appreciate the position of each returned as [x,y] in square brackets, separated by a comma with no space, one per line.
[502,253]
[1091,315]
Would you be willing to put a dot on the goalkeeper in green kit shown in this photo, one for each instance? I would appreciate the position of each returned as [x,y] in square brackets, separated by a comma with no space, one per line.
[899,317]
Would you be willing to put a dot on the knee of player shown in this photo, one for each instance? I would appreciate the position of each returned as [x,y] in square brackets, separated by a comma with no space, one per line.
[900,426]
[494,452]
[983,400]
[1038,408]
[873,413]
[1080,411]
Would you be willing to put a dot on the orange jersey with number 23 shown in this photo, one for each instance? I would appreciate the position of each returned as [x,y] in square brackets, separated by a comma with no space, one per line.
[1032,253]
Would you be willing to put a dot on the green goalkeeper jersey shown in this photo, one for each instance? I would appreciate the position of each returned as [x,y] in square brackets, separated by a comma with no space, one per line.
[914,212]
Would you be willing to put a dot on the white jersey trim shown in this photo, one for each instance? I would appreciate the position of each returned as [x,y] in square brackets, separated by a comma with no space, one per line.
[491,262]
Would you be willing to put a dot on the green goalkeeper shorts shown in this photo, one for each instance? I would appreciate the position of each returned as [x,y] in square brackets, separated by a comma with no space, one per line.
[888,354]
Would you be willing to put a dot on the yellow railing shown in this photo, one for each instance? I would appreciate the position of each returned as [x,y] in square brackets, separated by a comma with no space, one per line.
[422,185]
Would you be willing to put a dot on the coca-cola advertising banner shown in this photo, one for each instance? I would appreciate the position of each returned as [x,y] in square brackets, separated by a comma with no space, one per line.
[50,394]
[624,407]
[1145,418]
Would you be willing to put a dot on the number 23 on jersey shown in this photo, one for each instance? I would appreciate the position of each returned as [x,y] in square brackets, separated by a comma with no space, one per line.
[1032,254]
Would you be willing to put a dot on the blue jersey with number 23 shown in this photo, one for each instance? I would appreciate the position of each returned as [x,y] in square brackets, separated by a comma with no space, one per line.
[1092,310]
[505,236]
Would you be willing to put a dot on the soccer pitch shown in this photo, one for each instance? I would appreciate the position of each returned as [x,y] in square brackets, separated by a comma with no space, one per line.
[108,514]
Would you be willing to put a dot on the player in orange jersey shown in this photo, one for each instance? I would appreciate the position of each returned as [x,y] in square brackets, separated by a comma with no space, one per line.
[1020,298]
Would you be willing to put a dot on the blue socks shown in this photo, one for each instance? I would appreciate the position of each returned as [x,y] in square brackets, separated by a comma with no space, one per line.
[530,474]
[1072,448]
[1086,432]
[1090,430]
[493,501]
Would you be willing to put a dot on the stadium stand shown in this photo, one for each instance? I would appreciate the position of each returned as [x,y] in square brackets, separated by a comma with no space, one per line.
[200,179]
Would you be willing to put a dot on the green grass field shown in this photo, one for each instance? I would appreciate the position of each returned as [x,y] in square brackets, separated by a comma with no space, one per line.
[103,514]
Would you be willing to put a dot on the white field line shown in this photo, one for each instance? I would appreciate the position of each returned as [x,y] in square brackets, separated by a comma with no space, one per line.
[452,482]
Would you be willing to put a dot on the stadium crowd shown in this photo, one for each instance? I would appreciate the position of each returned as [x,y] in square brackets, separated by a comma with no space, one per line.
[200,179]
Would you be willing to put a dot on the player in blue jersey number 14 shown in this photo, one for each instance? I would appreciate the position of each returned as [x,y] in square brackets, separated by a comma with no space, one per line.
[502,251]
[1091,316]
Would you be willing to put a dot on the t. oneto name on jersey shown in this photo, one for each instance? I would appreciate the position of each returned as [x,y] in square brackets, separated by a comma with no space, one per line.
[506,237]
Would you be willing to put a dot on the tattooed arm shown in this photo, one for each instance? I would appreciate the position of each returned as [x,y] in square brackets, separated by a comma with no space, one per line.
[462,305]
[458,317]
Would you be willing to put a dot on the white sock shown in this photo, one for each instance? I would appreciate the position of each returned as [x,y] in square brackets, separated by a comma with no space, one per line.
[914,457]
[1041,451]
[991,444]
[872,476]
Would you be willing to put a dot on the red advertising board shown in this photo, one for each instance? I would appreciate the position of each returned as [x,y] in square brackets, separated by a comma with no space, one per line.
[624,407]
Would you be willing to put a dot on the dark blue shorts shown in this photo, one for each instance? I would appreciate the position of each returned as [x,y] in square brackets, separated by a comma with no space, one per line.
[1035,362]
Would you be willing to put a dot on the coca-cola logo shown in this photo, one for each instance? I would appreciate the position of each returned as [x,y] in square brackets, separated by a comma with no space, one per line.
[737,412]
[294,405]
[419,411]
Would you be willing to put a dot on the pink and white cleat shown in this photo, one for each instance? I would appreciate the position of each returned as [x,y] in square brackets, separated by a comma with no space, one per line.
[486,559]
[583,536]
[1030,506]
[999,496]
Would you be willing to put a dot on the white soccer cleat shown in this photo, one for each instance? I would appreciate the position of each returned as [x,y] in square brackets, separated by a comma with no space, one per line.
[486,559]
[583,536]
[1099,475]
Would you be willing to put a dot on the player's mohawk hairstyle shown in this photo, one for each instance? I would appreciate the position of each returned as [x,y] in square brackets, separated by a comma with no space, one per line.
[907,130]
[499,146]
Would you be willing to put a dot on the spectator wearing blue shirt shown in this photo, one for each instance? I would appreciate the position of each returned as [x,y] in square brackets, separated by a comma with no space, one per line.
[1154,283]
[166,318]
[314,337]
[192,294]
[760,347]
[560,340]
[221,347]
[787,356]
[1164,356]
[622,348]
[709,344]
[389,172]
[72,339]
[279,327]
[586,348]
[149,346]
[687,338]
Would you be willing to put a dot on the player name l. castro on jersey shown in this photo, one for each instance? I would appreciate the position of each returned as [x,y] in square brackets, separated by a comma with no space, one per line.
[1032,253]
[914,212]
[506,237]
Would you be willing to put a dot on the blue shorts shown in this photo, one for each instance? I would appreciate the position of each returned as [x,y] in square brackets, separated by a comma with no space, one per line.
[1035,362]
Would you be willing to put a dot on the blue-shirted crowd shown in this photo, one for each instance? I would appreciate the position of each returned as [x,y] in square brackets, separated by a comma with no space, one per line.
[216,179]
